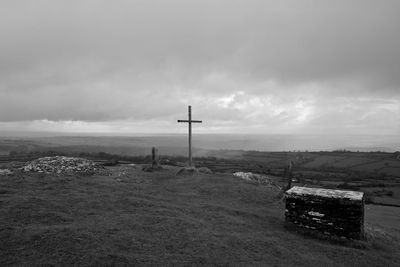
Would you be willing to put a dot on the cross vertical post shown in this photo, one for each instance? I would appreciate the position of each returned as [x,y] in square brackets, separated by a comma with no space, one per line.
[190,134]
[190,121]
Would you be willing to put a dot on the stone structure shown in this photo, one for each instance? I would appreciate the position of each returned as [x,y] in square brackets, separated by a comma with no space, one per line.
[331,212]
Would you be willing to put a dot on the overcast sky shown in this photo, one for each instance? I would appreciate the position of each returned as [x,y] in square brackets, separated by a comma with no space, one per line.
[245,66]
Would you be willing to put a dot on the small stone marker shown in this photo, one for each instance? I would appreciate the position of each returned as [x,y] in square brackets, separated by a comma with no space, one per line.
[155,162]
[332,212]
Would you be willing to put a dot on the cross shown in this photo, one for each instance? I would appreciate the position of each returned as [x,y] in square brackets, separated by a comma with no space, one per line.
[190,121]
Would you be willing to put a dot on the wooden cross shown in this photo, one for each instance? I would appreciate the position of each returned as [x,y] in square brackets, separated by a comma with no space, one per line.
[190,121]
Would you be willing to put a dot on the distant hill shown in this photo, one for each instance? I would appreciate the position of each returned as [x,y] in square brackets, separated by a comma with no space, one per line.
[171,144]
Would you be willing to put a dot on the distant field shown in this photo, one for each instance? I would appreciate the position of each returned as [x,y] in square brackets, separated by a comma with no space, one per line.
[348,162]
[322,160]
[392,171]
[386,195]
[266,160]
[371,167]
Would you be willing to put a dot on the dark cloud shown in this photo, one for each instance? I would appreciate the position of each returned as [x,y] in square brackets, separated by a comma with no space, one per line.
[238,61]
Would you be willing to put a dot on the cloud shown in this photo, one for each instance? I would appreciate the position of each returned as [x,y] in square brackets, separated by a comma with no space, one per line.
[244,65]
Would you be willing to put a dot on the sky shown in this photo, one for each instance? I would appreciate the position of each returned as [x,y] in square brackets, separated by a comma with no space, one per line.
[262,67]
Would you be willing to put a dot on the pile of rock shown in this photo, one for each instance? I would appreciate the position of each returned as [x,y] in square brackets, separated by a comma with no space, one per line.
[193,170]
[249,176]
[61,164]
[5,172]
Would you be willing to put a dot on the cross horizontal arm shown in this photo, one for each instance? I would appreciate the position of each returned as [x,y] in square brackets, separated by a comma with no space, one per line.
[193,121]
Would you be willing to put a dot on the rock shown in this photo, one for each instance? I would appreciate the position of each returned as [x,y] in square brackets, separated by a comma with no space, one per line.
[205,170]
[244,175]
[5,172]
[152,168]
[111,163]
[187,171]
[249,176]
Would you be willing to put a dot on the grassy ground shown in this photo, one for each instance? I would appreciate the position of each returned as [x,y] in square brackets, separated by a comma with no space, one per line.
[159,218]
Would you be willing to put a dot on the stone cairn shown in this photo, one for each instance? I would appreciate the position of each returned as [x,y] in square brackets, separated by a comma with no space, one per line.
[254,177]
[63,165]
[331,212]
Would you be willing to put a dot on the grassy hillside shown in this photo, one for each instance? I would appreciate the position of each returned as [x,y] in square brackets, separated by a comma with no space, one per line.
[160,218]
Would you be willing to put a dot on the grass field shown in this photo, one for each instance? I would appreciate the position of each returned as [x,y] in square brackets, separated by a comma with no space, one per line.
[160,218]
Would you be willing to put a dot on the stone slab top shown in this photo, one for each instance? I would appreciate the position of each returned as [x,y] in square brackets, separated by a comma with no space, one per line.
[328,193]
